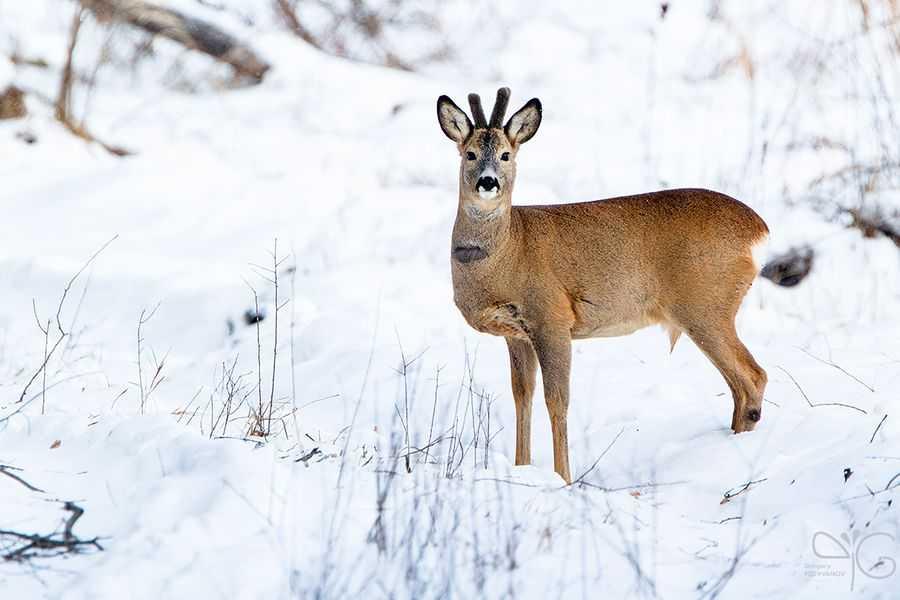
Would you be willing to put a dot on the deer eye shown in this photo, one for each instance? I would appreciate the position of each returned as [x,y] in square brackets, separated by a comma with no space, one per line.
[504,156]
[470,155]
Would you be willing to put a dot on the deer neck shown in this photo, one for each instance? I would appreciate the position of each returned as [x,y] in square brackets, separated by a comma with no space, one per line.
[476,237]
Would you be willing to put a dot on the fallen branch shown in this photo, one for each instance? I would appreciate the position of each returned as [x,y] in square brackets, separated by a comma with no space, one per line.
[190,32]
[5,469]
[54,544]
[727,519]
[740,490]
[306,457]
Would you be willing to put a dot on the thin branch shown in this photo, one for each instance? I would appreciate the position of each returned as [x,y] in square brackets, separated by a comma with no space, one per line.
[5,469]
[892,480]
[48,354]
[818,404]
[580,478]
[63,98]
[839,368]
[62,106]
[880,423]
[155,381]
[259,391]
[76,275]
[437,383]
[727,496]
[293,272]
[289,16]
[275,342]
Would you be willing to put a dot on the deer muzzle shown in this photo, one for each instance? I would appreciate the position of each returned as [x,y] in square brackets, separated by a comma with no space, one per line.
[488,186]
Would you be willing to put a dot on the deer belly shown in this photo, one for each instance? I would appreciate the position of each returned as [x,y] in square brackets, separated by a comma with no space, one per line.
[611,330]
[591,322]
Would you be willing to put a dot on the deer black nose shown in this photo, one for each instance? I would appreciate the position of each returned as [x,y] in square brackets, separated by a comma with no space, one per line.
[486,184]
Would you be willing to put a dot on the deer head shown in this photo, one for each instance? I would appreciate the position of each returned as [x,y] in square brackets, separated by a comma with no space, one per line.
[487,150]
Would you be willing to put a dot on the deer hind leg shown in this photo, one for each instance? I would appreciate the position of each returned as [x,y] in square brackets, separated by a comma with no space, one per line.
[523,367]
[745,378]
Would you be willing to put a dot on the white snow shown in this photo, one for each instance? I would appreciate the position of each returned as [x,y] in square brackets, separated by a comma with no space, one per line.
[344,163]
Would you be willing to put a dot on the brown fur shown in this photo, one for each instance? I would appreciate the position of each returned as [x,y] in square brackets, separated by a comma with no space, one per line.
[678,258]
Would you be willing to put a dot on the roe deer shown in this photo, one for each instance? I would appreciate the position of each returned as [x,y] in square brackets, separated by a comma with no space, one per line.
[541,276]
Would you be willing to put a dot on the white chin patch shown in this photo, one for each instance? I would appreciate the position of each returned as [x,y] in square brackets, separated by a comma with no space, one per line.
[487,194]
[759,251]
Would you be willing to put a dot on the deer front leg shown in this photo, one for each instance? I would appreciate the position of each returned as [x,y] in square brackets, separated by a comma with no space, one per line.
[554,352]
[523,367]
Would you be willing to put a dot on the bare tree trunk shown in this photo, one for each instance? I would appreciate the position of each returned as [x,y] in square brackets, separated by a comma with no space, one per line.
[190,32]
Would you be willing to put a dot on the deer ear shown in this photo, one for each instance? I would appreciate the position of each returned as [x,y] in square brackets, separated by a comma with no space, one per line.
[522,126]
[454,121]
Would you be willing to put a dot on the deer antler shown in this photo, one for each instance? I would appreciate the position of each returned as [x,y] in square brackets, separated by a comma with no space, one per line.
[477,111]
[500,108]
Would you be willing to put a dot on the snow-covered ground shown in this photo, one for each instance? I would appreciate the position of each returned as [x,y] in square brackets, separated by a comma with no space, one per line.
[344,164]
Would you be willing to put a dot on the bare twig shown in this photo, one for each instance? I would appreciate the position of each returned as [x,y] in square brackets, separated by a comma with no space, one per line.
[64,96]
[5,469]
[289,15]
[818,404]
[46,331]
[63,104]
[403,371]
[156,380]
[348,436]
[580,478]
[716,589]
[61,332]
[275,266]
[437,383]
[294,409]
[727,496]
[891,481]
[727,519]
[265,409]
[71,281]
[369,23]
[839,368]
[880,423]
[256,429]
